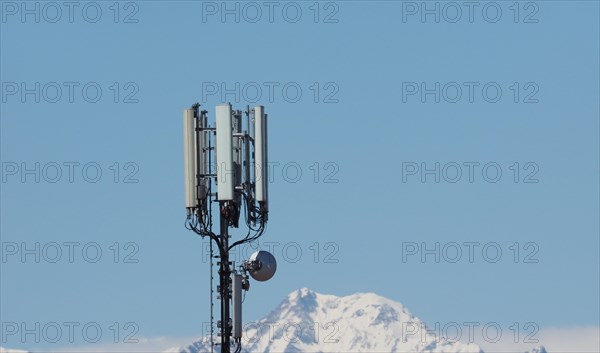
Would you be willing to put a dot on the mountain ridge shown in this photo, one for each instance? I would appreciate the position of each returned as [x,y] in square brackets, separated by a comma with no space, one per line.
[307,321]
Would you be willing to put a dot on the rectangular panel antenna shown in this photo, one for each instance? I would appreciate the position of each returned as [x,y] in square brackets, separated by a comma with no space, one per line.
[189,153]
[236,315]
[261,176]
[225,168]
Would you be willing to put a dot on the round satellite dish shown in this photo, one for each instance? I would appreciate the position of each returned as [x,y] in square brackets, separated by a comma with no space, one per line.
[266,265]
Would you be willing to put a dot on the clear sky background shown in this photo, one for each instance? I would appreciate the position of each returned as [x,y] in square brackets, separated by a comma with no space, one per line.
[363,64]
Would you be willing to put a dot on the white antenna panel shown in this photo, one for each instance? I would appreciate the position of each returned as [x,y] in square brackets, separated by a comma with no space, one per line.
[189,153]
[225,168]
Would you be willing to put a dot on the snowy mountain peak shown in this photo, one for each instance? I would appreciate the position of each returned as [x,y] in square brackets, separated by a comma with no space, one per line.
[303,297]
[307,321]
[302,292]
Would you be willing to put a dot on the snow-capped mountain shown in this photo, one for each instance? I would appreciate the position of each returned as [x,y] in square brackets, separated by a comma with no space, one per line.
[307,321]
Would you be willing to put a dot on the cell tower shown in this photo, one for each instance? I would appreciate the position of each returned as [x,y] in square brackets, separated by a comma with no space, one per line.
[232,156]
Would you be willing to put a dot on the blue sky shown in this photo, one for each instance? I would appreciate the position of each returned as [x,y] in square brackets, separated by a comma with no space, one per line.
[363,57]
